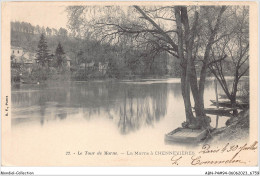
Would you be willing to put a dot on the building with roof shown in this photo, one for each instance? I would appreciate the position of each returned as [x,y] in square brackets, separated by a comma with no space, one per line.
[102,67]
[21,59]
[67,60]
[16,51]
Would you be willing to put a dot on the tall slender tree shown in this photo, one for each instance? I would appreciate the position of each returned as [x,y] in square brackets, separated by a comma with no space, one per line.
[42,52]
[59,55]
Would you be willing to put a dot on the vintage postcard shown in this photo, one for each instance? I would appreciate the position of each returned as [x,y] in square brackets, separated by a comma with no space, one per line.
[129,84]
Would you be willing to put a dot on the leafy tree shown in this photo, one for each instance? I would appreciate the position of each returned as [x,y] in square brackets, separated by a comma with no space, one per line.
[48,31]
[63,32]
[54,31]
[38,29]
[42,52]
[80,56]
[43,31]
[59,55]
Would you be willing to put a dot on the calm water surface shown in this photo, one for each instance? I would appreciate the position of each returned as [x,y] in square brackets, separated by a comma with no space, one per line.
[129,105]
[50,119]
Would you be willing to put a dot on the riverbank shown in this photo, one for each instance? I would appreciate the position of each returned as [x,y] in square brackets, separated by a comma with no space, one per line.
[237,129]
[27,79]
[67,78]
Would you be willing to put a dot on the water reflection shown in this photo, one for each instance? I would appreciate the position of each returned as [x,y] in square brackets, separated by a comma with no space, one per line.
[130,106]
[42,109]
[142,107]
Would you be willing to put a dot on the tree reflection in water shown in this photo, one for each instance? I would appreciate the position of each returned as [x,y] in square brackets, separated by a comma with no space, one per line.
[142,107]
[130,106]
[42,109]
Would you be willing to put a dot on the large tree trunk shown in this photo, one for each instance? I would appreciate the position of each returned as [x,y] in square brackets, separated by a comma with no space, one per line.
[185,66]
[191,71]
[204,69]
[185,89]
[234,104]
[199,101]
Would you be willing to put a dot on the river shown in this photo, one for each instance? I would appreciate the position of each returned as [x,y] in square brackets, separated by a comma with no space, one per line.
[48,119]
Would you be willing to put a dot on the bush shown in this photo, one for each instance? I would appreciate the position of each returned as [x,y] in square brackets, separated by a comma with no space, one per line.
[40,73]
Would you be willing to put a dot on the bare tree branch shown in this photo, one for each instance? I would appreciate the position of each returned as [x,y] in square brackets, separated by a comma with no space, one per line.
[157,27]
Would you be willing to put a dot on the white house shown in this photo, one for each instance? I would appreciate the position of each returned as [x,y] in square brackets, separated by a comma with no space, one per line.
[16,51]
[68,60]
[102,67]
[29,57]
[16,54]
[89,65]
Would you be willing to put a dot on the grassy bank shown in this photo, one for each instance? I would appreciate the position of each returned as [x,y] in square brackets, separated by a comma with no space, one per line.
[237,129]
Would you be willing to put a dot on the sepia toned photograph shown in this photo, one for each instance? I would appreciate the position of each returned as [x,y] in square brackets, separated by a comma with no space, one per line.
[129,84]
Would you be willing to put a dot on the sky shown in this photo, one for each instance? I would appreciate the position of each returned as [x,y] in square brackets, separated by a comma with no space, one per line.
[47,15]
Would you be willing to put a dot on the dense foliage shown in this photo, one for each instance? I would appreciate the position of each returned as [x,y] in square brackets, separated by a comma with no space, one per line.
[123,61]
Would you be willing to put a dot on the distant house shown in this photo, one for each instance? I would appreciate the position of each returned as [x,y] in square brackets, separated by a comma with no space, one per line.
[16,55]
[102,67]
[89,65]
[16,51]
[22,59]
[29,57]
[19,55]
[67,60]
